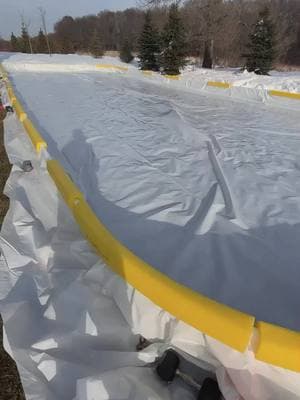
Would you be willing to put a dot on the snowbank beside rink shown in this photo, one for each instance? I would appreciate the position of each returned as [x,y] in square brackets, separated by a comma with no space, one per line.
[228,82]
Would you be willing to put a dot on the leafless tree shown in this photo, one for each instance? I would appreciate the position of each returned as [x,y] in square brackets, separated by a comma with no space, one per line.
[43,19]
[222,26]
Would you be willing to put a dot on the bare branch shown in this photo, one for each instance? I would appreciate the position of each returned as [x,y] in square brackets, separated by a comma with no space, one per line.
[43,18]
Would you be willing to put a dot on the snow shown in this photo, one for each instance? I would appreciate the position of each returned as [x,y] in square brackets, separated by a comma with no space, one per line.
[192,77]
[59,62]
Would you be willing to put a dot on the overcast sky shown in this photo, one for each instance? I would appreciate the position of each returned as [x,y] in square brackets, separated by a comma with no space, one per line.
[10,11]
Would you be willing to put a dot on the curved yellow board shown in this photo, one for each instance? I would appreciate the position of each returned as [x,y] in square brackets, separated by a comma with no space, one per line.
[216,320]
[36,139]
[295,96]
[222,85]
[278,346]
[112,66]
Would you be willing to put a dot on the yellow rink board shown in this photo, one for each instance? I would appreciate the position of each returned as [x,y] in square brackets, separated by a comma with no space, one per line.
[112,66]
[172,77]
[222,85]
[147,73]
[278,346]
[36,139]
[280,93]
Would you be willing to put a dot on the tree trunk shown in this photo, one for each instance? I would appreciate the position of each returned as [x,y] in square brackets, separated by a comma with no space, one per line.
[207,57]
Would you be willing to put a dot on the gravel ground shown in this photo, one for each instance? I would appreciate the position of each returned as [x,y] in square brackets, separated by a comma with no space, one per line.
[10,385]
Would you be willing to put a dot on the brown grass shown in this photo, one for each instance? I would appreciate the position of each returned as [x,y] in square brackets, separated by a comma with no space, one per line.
[4,172]
[10,385]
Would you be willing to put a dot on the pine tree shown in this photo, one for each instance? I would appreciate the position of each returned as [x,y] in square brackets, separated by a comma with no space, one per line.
[25,40]
[96,45]
[126,51]
[173,39]
[149,46]
[41,43]
[262,53]
[14,43]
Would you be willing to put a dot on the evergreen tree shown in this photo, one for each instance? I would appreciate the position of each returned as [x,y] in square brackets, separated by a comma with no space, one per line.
[149,46]
[173,39]
[14,43]
[96,45]
[261,54]
[25,45]
[41,45]
[126,52]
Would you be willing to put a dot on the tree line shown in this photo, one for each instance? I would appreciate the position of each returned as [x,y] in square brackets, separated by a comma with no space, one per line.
[215,32]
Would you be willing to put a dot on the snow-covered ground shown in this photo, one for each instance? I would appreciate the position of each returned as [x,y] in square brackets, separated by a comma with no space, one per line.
[203,187]
[192,77]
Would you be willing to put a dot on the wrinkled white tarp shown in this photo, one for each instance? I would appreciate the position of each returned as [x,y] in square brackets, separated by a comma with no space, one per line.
[204,189]
[72,325]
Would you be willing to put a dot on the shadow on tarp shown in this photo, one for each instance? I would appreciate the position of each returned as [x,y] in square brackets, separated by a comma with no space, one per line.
[65,344]
[62,325]
[50,314]
[253,270]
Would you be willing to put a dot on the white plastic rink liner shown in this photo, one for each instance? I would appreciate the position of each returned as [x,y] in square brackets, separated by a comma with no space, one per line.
[202,188]
[85,319]
[72,325]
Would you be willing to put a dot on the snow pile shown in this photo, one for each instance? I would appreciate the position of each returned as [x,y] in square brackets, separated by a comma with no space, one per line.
[278,81]
[58,63]
[192,77]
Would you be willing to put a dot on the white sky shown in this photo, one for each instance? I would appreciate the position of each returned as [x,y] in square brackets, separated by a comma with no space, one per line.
[10,11]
